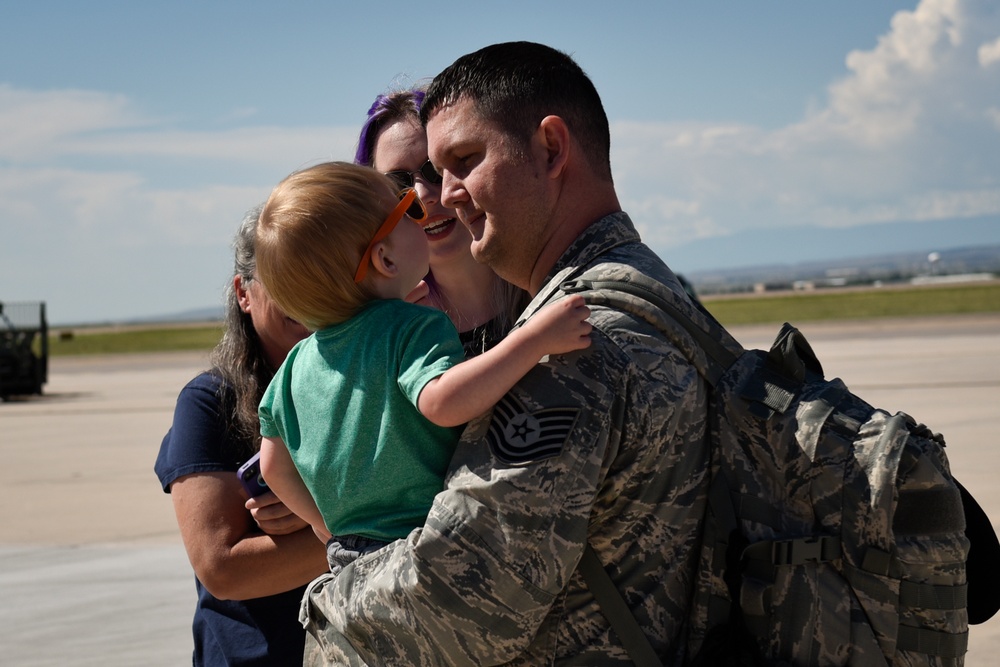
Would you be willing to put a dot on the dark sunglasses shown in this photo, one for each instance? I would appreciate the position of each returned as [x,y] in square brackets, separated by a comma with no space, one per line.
[409,204]
[406,178]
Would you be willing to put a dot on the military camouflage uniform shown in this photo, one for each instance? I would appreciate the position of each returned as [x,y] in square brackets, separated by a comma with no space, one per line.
[606,445]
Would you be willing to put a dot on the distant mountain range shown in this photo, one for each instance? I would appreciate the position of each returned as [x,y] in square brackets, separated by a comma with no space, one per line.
[887,268]
[886,252]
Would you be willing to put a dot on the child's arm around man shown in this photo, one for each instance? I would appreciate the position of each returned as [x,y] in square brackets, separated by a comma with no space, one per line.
[472,387]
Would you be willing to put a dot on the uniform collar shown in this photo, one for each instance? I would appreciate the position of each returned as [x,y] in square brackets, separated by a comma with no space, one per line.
[602,236]
[607,233]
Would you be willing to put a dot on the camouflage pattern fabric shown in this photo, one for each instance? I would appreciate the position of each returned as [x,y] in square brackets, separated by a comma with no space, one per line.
[836,533]
[853,543]
[869,498]
[607,445]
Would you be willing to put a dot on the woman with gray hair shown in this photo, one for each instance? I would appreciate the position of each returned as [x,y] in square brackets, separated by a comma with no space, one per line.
[251,556]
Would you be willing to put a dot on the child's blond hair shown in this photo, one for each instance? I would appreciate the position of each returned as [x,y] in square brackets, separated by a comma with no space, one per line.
[312,232]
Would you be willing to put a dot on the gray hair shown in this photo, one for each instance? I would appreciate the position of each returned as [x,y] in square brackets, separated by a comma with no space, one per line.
[239,358]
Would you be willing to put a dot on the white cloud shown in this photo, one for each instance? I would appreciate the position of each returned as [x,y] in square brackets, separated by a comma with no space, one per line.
[989,53]
[993,114]
[261,145]
[37,122]
[909,133]
[40,126]
[69,132]
[74,210]
[92,189]
[883,99]
[944,205]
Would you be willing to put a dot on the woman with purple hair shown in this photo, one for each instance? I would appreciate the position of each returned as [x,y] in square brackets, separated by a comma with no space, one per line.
[480,304]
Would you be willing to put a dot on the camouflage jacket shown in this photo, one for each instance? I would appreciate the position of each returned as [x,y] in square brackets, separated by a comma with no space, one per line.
[608,445]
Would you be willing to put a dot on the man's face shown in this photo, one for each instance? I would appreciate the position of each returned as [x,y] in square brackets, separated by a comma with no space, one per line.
[497,186]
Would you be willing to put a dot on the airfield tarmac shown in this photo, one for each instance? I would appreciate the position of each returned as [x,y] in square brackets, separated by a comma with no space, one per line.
[92,569]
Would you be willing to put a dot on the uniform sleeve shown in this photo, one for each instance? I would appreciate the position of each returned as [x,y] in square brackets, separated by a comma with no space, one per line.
[197,436]
[501,541]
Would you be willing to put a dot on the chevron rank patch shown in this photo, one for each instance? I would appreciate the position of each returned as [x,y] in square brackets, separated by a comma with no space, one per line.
[518,437]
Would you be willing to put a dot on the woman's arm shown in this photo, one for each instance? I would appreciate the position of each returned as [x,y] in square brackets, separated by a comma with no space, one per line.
[229,554]
[472,387]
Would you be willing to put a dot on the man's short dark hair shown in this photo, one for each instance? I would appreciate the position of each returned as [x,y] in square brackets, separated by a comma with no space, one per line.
[517,84]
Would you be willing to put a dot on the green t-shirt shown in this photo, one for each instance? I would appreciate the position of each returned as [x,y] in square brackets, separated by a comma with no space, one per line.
[344,403]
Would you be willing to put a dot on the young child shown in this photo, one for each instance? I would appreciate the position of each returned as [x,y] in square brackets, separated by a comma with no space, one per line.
[360,422]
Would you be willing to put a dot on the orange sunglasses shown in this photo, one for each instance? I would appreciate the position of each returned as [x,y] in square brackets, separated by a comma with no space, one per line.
[410,204]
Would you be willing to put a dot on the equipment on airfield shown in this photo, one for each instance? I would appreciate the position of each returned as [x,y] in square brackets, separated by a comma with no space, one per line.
[24,348]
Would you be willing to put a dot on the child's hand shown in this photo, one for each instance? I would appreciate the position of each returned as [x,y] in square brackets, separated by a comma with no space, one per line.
[562,326]
[419,293]
[272,516]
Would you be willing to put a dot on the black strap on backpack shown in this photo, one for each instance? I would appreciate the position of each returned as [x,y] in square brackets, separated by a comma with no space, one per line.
[615,609]
[609,598]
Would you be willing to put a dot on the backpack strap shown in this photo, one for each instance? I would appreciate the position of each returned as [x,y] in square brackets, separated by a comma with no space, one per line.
[791,358]
[707,337]
[616,610]
[719,358]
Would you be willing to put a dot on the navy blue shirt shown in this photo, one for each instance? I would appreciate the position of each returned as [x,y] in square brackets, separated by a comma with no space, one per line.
[264,631]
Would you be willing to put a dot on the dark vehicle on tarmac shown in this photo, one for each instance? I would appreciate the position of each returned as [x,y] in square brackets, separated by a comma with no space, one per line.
[24,348]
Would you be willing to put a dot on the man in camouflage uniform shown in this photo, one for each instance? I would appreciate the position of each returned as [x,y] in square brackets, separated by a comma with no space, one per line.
[606,445]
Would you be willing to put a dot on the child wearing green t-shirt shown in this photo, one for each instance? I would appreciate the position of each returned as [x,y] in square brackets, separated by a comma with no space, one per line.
[361,420]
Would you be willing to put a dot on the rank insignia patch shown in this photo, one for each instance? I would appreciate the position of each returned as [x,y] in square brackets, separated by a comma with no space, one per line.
[517,437]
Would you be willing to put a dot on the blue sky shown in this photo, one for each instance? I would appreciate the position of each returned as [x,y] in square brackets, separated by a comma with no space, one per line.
[133,137]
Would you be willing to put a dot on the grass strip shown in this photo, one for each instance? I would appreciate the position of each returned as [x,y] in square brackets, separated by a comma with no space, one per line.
[796,307]
[857,304]
[135,340]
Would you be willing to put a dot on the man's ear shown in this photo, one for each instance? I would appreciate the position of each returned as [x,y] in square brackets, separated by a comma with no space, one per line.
[555,140]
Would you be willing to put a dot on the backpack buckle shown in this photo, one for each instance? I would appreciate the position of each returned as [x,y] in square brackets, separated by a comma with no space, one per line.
[818,549]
